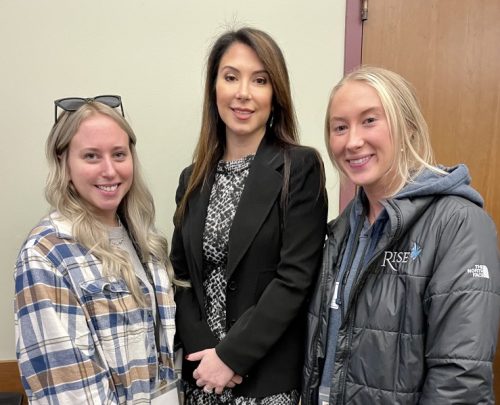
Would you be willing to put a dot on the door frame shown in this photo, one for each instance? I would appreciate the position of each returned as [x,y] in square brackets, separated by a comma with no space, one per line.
[353,46]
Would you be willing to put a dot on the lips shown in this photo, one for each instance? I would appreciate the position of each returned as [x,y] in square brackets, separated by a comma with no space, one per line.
[108,188]
[360,161]
[242,113]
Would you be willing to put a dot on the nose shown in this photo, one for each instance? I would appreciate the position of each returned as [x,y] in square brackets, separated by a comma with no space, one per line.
[243,90]
[108,167]
[355,139]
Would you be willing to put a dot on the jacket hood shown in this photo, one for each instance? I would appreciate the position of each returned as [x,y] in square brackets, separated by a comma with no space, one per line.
[429,183]
[414,198]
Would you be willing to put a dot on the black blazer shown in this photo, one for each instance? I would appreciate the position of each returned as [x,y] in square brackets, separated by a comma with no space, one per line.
[273,258]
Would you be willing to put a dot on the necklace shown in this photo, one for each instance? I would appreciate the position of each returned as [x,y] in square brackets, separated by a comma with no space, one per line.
[116,242]
[117,234]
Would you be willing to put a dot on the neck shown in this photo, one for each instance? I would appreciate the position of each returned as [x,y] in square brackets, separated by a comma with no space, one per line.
[112,220]
[238,147]
[374,208]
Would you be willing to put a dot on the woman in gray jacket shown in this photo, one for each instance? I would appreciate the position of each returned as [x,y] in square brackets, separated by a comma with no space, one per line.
[406,309]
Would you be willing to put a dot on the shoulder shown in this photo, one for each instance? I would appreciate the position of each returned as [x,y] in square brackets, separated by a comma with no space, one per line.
[183,182]
[438,211]
[43,237]
[50,241]
[455,208]
[461,242]
[457,203]
[306,176]
[186,173]
[304,152]
[40,257]
[304,158]
[458,228]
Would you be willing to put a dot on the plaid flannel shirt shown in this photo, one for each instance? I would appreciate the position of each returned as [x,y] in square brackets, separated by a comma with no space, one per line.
[81,338]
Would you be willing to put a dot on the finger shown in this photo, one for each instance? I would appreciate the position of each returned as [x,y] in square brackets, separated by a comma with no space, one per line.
[218,390]
[208,389]
[196,375]
[231,384]
[200,382]
[195,356]
[237,379]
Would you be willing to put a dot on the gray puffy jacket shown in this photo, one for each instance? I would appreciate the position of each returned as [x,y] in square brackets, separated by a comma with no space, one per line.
[422,319]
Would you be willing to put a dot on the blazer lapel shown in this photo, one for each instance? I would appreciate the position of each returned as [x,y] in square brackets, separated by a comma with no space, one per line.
[262,188]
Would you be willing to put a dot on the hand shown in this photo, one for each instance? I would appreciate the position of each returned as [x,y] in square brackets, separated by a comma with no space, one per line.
[212,372]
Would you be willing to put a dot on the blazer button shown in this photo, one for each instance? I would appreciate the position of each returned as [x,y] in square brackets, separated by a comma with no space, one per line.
[232,285]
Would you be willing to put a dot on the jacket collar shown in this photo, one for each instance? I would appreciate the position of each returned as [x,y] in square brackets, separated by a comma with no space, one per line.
[402,213]
[62,227]
[262,188]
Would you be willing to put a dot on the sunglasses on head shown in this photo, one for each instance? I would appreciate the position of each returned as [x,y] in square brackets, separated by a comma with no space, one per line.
[71,104]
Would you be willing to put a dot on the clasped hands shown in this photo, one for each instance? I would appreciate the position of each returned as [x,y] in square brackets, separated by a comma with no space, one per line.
[212,373]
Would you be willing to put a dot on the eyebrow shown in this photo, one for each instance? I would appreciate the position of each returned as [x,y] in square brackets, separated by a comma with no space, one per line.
[364,112]
[95,149]
[237,70]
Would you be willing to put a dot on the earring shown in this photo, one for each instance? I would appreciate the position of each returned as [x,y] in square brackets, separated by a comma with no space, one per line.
[271,120]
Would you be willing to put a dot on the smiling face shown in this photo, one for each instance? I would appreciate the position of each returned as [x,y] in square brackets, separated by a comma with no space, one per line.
[360,139]
[244,95]
[100,165]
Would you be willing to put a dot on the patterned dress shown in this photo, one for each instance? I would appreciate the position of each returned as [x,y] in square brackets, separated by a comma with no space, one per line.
[224,198]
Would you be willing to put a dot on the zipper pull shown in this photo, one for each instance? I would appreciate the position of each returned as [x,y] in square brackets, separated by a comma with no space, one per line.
[335,300]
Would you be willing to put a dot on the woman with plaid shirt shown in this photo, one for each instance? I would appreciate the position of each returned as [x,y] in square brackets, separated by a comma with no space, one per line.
[94,303]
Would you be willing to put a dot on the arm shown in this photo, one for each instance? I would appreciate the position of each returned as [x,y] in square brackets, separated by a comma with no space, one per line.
[192,328]
[303,230]
[463,309]
[54,346]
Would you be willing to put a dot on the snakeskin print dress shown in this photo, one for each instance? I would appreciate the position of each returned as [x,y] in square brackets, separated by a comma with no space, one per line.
[224,198]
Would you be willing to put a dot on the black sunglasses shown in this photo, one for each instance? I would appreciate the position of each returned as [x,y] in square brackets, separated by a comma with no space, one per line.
[71,104]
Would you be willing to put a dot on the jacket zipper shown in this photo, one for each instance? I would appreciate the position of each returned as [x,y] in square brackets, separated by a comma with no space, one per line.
[347,271]
[354,297]
[358,282]
[350,330]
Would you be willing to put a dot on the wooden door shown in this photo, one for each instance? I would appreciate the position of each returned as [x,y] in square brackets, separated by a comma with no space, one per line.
[450,51]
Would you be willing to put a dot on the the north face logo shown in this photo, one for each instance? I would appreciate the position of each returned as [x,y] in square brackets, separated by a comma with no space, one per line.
[392,259]
[479,270]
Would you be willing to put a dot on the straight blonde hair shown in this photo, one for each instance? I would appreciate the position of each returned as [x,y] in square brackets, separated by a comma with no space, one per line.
[408,129]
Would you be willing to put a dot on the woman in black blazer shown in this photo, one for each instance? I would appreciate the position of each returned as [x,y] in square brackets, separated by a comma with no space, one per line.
[249,230]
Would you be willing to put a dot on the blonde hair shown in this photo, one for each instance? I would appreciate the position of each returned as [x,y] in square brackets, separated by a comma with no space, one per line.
[408,128]
[136,210]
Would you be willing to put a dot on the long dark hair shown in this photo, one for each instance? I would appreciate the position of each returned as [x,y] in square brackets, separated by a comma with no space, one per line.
[211,141]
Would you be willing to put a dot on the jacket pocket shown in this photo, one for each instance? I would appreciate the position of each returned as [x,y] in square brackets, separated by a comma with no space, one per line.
[114,312]
[104,285]
[120,324]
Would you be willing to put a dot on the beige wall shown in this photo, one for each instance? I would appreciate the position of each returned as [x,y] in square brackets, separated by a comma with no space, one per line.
[152,53]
